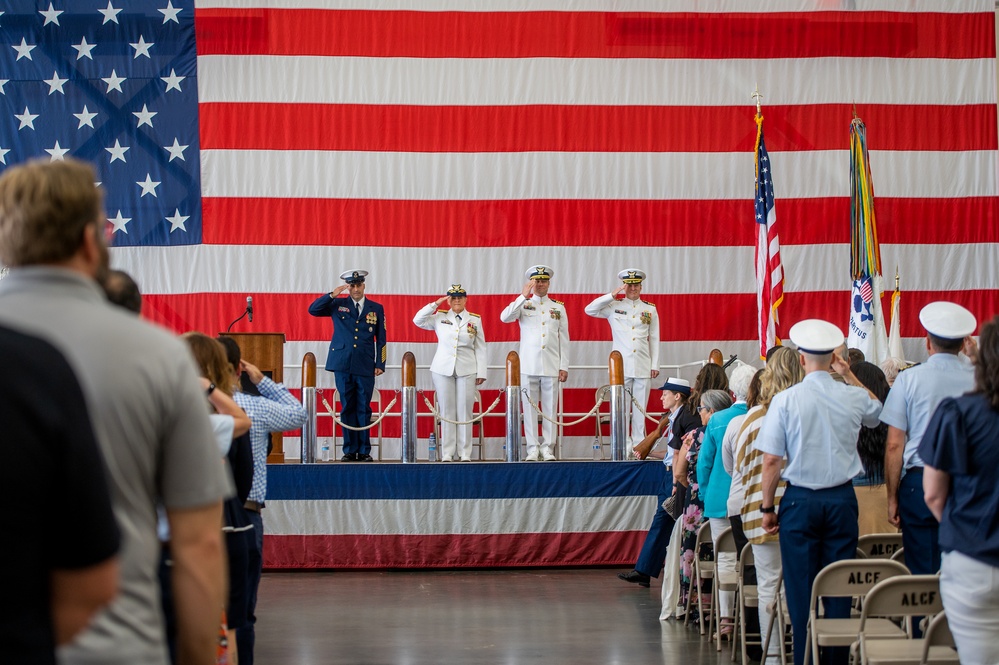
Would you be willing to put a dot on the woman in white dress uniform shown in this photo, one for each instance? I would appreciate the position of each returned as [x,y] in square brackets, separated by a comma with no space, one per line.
[458,367]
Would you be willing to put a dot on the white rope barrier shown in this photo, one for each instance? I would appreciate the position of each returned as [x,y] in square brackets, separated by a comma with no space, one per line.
[560,423]
[641,408]
[474,420]
[342,424]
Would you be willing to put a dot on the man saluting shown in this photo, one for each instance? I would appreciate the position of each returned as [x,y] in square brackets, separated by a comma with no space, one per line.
[356,356]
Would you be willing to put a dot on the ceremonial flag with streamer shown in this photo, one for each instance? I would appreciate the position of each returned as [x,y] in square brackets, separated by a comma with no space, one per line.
[895,330]
[867,323]
[769,271]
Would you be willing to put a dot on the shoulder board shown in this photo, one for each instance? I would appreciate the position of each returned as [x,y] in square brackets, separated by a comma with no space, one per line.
[478,316]
[558,302]
[443,311]
[646,302]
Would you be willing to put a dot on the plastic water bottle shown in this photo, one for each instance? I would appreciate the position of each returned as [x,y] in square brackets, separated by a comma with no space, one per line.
[432,448]
[324,452]
[598,450]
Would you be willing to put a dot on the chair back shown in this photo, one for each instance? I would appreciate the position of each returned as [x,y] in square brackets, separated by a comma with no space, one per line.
[853,578]
[938,633]
[899,555]
[880,545]
[903,595]
[726,542]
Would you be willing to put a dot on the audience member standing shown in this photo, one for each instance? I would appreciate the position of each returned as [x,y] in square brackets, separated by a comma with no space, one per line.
[910,405]
[960,450]
[815,425]
[872,504]
[273,410]
[54,579]
[634,326]
[356,357]
[144,401]
[544,357]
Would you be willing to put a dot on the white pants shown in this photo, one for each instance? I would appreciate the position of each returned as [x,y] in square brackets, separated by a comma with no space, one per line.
[768,566]
[724,563]
[455,397]
[542,387]
[639,389]
[970,591]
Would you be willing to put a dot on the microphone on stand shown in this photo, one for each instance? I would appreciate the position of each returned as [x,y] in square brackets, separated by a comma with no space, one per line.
[248,310]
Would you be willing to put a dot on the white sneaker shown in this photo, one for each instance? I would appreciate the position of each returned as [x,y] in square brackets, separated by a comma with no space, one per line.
[466,459]
[548,457]
[532,457]
[445,459]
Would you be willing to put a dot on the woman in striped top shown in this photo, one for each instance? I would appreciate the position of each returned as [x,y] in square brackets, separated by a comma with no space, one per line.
[783,370]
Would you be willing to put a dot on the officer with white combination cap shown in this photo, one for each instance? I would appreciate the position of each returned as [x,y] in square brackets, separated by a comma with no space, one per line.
[458,367]
[544,356]
[815,425]
[635,327]
[913,398]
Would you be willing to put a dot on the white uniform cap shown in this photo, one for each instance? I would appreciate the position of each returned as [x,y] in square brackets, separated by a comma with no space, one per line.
[631,276]
[947,320]
[354,276]
[816,336]
[539,272]
[677,385]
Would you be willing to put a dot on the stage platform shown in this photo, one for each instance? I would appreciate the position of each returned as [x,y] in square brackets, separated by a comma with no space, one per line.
[457,515]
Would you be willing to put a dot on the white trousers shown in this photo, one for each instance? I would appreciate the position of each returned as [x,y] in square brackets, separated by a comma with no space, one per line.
[724,563]
[455,398]
[970,591]
[768,566]
[542,387]
[639,389]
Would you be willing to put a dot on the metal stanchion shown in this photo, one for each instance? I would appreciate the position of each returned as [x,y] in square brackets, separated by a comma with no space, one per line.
[308,443]
[618,408]
[408,408]
[512,407]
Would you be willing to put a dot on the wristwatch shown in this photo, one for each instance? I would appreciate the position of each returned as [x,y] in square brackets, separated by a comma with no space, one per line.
[767,511]
[210,389]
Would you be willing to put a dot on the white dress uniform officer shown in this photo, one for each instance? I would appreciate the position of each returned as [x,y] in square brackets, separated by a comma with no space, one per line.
[635,326]
[544,356]
[458,367]
[815,425]
[910,405]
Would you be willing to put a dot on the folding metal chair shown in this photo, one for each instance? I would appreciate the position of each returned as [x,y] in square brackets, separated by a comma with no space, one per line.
[703,571]
[724,581]
[879,545]
[851,578]
[779,619]
[904,596]
[899,555]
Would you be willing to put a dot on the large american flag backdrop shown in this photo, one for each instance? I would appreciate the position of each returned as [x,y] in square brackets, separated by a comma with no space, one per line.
[260,147]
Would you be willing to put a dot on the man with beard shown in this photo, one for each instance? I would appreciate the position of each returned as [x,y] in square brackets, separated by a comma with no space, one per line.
[147,408]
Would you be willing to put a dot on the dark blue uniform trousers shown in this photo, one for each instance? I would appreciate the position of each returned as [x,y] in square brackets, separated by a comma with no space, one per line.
[355,410]
[920,530]
[653,556]
[817,527]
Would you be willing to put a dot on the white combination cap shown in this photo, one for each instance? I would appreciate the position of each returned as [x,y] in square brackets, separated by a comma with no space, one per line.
[816,336]
[631,276]
[539,272]
[947,320]
[354,276]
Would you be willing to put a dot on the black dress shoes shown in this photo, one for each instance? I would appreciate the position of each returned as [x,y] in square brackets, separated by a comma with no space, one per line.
[635,577]
[349,457]
[364,458]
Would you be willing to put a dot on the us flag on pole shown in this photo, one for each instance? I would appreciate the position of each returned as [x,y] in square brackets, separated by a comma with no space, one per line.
[769,271]
[113,83]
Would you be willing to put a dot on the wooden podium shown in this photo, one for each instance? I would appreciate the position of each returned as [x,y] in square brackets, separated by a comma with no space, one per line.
[266,351]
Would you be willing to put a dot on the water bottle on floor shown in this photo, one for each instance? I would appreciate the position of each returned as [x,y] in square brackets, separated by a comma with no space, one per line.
[324,452]
[432,448]
[598,450]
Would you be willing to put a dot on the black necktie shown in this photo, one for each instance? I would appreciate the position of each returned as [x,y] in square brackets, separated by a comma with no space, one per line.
[357,305]
[458,317]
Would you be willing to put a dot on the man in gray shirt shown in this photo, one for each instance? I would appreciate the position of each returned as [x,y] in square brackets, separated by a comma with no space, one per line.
[148,411]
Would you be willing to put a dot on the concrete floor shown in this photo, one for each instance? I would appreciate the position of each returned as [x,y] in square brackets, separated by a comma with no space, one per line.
[508,617]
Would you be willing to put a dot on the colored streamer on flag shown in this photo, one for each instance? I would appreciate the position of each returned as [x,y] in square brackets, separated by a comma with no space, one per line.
[867,324]
[769,271]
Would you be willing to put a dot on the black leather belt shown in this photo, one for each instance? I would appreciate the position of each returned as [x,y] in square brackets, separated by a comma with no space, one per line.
[254,506]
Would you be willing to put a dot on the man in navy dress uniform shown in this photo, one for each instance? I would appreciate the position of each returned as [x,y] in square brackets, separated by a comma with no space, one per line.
[356,357]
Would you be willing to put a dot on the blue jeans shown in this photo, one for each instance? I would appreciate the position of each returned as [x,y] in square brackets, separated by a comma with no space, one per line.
[246,636]
[817,527]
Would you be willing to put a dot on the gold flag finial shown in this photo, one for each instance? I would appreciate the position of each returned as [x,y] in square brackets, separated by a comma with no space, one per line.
[896,278]
[758,97]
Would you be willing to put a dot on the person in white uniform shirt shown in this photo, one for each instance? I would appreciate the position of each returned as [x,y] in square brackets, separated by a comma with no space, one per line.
[635,327]
[458,367]
[544,356]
